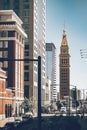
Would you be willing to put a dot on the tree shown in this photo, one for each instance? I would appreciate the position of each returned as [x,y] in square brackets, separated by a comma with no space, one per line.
[77,103]
[59,105]
[27,105]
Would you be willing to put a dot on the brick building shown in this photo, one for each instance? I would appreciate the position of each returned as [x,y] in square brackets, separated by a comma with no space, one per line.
[12,37]
[5,97]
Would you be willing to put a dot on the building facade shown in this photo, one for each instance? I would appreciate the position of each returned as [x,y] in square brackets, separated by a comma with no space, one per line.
[51,68]
[64,68]
[73,93]
[48,91]
[12,37]
[6,95]
[33,14]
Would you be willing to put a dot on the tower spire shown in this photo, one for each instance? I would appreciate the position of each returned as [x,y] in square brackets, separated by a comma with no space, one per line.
[64,39]
[64,30]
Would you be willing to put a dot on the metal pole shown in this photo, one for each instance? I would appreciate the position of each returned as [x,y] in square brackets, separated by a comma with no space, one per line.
[39,93]
[69,104]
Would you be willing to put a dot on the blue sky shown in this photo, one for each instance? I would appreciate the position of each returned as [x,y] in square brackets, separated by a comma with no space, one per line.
[74,14]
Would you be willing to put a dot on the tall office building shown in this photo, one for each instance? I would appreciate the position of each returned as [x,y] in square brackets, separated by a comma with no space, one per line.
[12,37]
[32,12]
[64,68]
[51,68]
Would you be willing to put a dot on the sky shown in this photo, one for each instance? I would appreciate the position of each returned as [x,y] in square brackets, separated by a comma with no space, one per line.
[72,14]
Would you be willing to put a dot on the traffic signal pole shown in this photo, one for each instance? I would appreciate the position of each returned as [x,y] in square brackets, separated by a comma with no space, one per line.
[39,93]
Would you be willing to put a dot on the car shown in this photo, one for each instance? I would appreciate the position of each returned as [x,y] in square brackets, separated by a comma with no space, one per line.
[57,112]
[25,118]
[29,114]
[63,109]
[9,126]
[18,120]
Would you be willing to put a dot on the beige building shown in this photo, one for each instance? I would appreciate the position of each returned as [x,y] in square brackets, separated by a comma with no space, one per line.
[64,68]
[48,91]
[12,38]
[78,94]
[33,14]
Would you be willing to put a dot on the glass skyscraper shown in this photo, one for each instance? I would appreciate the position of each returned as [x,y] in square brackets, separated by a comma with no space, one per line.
[51,68]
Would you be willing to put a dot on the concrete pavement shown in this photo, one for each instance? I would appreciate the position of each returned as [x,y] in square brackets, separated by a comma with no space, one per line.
[3,121]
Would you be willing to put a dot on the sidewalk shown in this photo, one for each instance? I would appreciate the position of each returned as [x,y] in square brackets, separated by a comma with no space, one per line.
[3,121]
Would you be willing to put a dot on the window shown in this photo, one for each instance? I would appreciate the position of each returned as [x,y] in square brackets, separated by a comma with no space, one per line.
[26,46]
[26,0]
[5,54]
[26,61]
[26,27]
[26,53]
[26,91]
[26,6]
[27,33]
[5,44]
[5,64]
[11,33]
[26,13]
[6,4]
[3,34]
[6,1]
[6,7]
[1,44]
[16,11]
[26,76]
[16,4]
[20,38]
[26,40]
[17,35]
[26,67]
[26,20]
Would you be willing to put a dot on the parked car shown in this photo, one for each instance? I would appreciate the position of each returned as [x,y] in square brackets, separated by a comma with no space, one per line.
[29,114]
[26,117]
[63,109]
[18,120]
[9,126]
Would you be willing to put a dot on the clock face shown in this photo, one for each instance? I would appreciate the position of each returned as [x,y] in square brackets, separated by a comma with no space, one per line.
[64,50]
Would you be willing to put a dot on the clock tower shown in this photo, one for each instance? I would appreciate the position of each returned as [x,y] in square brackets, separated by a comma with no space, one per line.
[64,68]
